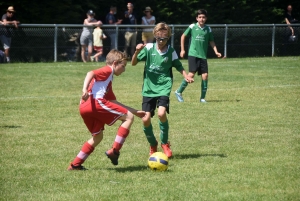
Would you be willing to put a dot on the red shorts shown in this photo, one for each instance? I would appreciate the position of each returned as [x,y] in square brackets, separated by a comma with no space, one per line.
[98,112]
[98,48]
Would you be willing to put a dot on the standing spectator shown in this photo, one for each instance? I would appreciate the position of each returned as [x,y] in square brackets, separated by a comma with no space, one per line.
[148,19]
[290,19]
[8,19]
[130,34]
[86,38]
[111,19]
[98,44]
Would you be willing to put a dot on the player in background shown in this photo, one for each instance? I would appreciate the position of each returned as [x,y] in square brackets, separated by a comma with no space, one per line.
[159,59]
[201,35]
[98,106]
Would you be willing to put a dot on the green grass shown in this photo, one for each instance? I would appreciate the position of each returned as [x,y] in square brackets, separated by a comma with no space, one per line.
[242,145]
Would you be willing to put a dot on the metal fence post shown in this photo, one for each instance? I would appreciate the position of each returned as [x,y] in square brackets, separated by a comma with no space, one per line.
[117,36]
[55,43]
[273,40]
[172,36]
[225,40]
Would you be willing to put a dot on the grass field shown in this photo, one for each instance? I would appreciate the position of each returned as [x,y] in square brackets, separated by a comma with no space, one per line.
[242,145]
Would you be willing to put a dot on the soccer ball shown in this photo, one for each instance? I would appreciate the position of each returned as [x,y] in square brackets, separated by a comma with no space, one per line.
[158,161]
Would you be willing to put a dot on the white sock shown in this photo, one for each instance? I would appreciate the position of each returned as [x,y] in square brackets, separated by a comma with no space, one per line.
[7,59]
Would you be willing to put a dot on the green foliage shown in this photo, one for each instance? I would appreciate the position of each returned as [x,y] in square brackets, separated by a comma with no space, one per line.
[242,145]
[170,11]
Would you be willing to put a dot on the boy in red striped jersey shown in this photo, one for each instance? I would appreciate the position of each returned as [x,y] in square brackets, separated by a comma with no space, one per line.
[98,106]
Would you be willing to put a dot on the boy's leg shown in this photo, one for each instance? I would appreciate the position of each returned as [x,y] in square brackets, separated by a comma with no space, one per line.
[163,109]
[204,84]
[123,132]
[148,105]
[87,148]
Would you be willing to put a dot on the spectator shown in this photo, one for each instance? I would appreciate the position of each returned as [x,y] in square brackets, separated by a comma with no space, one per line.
[111,19]
[8,19]
[98,44]
[86,38]
[290,19]
[130,34]
[148,19]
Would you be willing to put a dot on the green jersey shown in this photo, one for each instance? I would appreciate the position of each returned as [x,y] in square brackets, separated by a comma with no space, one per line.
[158,77]
[200,37]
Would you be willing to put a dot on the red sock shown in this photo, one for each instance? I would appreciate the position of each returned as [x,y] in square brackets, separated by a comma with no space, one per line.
[120,138]
[86,150]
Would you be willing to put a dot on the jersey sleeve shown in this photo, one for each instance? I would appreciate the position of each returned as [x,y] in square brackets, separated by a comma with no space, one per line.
[189,30]
[176,62]
[142,55]
[210,36]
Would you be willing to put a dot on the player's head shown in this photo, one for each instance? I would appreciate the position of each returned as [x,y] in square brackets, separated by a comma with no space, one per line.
[201,16]
[113,9]
[289,8]
[162,32]
[117,60]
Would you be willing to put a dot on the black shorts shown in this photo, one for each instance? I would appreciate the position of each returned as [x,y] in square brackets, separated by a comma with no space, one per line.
[197,65]
[151,103]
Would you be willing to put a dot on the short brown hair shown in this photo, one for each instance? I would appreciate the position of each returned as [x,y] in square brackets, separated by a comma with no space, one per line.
[115,55]
[162,26]
[201,12]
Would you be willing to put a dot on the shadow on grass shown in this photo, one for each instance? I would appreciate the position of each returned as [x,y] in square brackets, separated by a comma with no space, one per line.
[11,126]
[187,156]
[129,168]
[219,101]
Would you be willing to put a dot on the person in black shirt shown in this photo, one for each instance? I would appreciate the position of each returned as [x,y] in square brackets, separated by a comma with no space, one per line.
[5,37]
[290,19]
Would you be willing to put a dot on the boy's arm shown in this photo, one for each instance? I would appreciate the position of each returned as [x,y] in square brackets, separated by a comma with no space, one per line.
[89,76]
[186,77]
[137,113]
[134,60]
[182,52]
[214,47]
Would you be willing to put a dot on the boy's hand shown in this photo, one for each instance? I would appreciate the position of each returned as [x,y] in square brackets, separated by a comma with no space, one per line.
[139,47]
[140,113]
[85,95]
[189,79]
[182,53]
[218,54]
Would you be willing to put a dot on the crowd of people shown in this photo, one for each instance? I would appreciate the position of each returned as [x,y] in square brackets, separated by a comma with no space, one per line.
[130,33]
[92,35]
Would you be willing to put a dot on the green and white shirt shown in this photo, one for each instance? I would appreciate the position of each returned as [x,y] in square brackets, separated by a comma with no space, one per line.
[200,37]
[158,76]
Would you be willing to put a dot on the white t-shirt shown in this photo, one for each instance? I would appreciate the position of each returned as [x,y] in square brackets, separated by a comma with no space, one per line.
[147,22]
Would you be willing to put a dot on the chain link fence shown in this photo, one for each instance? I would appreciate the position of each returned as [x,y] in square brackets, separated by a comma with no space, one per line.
[48,43]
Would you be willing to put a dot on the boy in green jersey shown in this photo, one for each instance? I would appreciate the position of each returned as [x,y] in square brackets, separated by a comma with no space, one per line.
[201,35]
[159,59]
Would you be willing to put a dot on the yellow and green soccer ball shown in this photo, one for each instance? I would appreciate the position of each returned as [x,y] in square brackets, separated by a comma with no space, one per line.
[158,161]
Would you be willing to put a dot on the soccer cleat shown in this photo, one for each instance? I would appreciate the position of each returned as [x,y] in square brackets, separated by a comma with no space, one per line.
[113,156]
[179,96]
[167,150]
[153,149]
[92,58]
[203,100]
[73,167]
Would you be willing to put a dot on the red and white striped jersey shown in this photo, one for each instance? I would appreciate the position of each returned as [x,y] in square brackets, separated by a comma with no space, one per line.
[101,86]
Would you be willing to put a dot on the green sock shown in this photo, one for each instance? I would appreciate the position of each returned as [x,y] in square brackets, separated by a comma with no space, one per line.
[182,86]
[150,135]
[203,88]
[164,132]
